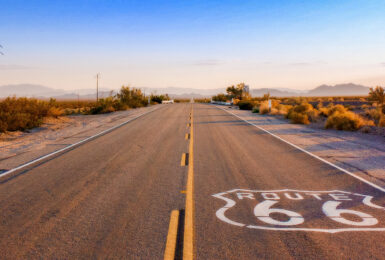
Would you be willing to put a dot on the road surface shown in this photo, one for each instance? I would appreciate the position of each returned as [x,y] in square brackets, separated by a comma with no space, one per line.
[253,196]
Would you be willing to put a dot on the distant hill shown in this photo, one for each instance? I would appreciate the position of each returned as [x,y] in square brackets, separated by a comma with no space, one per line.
[349,89]
[39,91]
[30,90]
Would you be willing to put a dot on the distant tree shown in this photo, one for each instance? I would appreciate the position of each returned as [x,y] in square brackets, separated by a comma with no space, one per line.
[378,95]
[236,91]
[131,97]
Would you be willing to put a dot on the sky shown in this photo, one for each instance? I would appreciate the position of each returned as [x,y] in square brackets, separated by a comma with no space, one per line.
[192,44]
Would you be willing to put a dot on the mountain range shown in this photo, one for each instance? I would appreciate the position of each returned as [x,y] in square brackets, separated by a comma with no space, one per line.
[38,91]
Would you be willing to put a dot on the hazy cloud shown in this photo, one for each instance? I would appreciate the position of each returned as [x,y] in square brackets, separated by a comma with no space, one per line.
[212,62]
[300,64]
[303,64]
[13,67]
[382,64]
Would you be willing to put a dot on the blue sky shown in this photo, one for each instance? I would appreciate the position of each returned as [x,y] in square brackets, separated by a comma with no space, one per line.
[198,44]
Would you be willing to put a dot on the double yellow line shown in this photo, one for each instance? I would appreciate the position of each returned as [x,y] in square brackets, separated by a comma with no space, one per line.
[188,239]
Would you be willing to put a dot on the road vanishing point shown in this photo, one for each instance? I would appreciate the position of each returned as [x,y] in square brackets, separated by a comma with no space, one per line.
[188,181]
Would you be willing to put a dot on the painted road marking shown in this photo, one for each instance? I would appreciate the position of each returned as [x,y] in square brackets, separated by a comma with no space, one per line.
[75,144]
[169,253]
[183,160]
[302,210]
[307,152]
[188,239]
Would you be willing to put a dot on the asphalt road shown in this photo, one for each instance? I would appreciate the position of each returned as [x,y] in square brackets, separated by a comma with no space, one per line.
[254,196]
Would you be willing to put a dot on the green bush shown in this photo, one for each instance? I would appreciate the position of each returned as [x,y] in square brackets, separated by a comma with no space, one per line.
[158,98]
[255,110]
[245,105]
[132,97]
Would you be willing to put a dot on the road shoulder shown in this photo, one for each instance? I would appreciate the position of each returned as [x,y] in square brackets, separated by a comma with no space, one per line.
[359,153]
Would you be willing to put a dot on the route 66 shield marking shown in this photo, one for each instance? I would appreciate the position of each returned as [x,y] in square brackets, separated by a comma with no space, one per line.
[300,210]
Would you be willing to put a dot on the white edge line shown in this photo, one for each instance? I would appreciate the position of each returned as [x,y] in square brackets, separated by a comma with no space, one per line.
[73,145]
[309,153]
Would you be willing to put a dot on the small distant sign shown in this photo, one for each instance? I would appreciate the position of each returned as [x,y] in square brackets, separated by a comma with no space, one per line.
[269,101]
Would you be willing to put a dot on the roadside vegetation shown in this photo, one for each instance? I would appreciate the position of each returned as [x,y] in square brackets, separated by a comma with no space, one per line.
[27,113]
[341,113]
[202,100]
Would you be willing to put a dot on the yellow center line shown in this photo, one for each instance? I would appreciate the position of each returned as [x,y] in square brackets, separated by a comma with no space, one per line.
[188,240]
[169,253]
[183,160]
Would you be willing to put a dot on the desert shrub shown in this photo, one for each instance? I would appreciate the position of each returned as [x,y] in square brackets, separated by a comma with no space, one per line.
[280,109]
[220,98]
[264,108]
[381,123]
[131,97]
[330,109]
[313,115]
[377,95]
[255,110]
[158,98]
[294,101]
[303,108]
[245,104]
[303,114]
[346,121]
[299,118]
[374,114]
[55,112]
[336,108]
[106,105]
[21,113]
[202,100]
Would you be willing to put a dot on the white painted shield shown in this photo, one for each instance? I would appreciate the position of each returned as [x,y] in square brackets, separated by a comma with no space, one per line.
[321,211]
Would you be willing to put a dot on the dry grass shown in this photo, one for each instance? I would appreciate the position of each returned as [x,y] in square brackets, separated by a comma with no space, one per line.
[303,114]
[22,113]
[346,121]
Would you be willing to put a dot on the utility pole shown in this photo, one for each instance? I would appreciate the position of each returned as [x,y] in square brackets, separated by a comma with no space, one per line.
[97,87]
